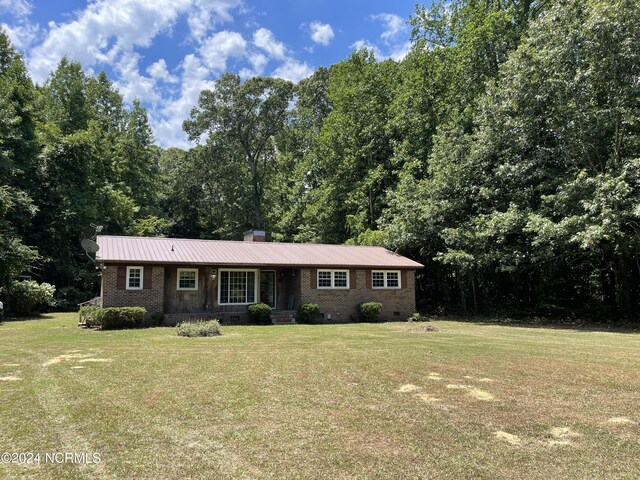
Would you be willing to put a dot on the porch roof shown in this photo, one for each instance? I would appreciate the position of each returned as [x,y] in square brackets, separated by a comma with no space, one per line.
[120,249]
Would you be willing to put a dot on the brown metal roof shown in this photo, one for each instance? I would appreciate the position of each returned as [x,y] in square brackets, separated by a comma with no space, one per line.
[223,252]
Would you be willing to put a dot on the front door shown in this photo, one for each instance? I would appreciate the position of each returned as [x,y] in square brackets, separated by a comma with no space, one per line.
[268,288]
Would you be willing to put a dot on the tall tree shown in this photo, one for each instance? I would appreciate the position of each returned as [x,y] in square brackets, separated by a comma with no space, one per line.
[245,118]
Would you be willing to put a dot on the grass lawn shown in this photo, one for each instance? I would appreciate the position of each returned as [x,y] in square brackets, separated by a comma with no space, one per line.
[334,401]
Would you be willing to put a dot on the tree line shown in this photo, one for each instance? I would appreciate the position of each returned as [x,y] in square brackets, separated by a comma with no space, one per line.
[503,152]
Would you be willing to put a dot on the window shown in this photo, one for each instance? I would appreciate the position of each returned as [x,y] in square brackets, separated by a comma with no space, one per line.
[187,279]
[135,277]
[333,278]
[237,287]
[385,279]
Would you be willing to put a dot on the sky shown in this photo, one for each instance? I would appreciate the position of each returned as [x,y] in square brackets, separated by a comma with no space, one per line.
[165,52]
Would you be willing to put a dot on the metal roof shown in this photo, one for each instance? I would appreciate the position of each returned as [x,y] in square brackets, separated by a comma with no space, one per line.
[115,249]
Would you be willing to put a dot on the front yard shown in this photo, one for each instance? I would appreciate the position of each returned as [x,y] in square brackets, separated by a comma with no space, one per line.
[335,401]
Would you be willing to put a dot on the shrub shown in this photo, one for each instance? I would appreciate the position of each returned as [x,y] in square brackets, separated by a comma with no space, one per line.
[370,311]
[418,317]
[86,312]
[27,297]
[157,318]
[199,328]
[260,313]
[115,318]
[308,313]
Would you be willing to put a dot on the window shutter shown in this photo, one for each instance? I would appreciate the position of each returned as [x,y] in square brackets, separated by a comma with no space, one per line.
[122,277]
[368,279]
[148,275]
[314,277]
[403,279]
[352,278]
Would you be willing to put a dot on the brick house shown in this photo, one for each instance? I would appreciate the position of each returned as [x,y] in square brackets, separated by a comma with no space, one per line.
[185,278]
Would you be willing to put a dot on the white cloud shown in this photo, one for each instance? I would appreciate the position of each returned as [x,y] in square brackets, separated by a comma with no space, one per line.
[360,44]
[321,33]
[264,40]
[22,34]
[394,25]
[133,85]
[208,13]
[17,8]
[293,70]
[158,71]
[166,120]
[221,46]
[400,51]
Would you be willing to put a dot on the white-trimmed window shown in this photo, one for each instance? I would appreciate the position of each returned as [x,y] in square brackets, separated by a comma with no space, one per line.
[333,278]
[187,279]
[135,278]
[237,287]
[385,279]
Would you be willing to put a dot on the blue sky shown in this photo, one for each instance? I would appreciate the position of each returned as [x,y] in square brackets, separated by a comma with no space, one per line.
[166,51]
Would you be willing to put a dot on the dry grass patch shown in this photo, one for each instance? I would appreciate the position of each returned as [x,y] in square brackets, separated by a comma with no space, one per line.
[508,437]
[621,421]
[408,388]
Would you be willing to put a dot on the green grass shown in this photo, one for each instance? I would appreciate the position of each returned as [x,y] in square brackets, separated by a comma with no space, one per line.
[320,401]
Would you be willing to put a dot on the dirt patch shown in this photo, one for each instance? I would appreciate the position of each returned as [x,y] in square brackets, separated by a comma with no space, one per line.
[409,388]
[424,329]
[427,398]
[563,433]
[483,379]
[508,437]
[65,357]
[473,392]
[10,378]
[621,421]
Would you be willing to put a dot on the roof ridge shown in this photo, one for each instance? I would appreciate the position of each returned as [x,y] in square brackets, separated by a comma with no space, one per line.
[244,242]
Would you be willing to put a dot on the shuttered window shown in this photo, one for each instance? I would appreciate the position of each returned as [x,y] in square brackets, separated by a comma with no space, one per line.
[385,279]
[333,279]
[135,277]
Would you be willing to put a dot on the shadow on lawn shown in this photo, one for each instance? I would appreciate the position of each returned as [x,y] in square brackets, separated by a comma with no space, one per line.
[584,326]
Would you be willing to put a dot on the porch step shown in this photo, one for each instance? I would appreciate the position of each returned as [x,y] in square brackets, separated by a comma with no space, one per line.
[283,317]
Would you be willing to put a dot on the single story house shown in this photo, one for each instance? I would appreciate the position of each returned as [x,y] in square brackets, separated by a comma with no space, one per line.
[185,278]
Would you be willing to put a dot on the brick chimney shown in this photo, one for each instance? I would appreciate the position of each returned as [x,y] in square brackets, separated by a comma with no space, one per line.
[254,236]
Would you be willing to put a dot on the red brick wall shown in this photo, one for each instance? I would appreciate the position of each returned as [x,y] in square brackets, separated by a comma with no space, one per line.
[150,298]
[342,304]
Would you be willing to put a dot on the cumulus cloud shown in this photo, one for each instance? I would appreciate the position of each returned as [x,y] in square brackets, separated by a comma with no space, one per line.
[131,83]
[264,39]
[206,14]
[321,33]
[221,46]
[22,34]
[159,71]
[17,8]
[394,26]
[293,70]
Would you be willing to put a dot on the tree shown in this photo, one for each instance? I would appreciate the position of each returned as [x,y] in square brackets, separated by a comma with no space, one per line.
[245,118]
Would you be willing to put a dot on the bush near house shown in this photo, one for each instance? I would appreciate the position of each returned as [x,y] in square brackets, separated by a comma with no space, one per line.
[27,297]
[260,313]
[418,317]
[370,311]
[308,313]
[199,328]
[113,318]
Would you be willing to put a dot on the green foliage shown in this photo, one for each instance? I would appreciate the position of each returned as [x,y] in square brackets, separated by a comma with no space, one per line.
[86,313]
[27,297]
[308,313]
[157,318]
[370,311]
[418,317]
[115,318]
[260,313]
[67,298]
[199,328]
